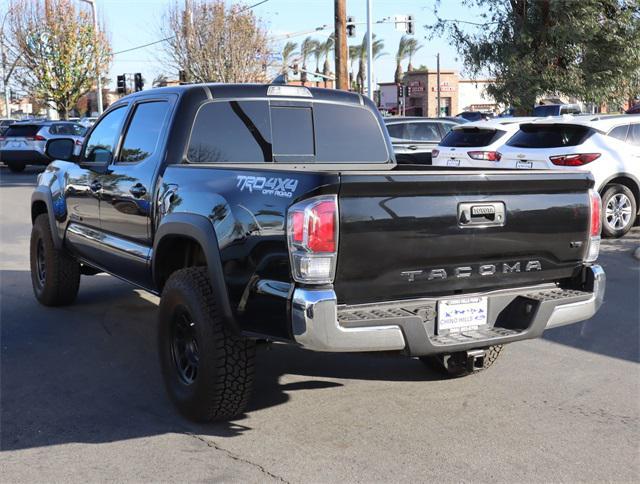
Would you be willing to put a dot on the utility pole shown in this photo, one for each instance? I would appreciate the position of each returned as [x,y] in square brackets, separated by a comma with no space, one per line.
[342,52]
[5,74]
[438,80]
[369,49]
[96,40]
[186,26]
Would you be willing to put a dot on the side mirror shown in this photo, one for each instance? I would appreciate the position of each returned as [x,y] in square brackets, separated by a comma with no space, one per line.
[60,149]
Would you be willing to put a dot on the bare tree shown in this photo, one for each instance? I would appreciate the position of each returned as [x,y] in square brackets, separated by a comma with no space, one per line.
[58,50]
[215,43]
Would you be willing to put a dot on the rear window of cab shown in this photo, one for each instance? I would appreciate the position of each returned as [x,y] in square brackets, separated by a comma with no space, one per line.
[282,131]
[471,137]
[550,136]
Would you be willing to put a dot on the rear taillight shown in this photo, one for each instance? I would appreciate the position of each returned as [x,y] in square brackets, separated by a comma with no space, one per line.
[39,137]
[574,160]
[312,235]
[78,142]
[485,155]
[595,225]
[435,153]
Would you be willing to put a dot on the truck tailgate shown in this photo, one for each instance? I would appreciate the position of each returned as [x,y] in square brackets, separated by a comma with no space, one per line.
[411,234]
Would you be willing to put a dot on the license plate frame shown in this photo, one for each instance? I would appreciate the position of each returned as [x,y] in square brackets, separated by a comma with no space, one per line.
[453,162]
[524,164]
[456,315]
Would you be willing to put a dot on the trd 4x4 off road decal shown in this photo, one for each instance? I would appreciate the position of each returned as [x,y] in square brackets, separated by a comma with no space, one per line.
[277,187]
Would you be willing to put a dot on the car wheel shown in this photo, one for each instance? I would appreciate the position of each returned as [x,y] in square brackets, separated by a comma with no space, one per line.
[455,364]
[619,209]
[16,167]
[208,369]
[55,275]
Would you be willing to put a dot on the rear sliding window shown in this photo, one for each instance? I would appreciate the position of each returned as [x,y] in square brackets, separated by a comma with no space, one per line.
[254,132]
[22,130]
[471,137]
[549,136]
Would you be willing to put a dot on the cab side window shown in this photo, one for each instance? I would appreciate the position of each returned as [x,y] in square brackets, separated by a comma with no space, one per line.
[103,141]
[144,130]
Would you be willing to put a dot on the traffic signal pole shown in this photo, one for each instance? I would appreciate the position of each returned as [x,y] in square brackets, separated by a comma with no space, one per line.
[369,49]
[342,52]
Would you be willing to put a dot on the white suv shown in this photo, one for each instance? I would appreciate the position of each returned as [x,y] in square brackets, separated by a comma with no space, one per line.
[475,145]
[608,146]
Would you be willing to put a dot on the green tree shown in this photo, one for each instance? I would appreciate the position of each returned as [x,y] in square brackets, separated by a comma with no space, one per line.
[589,49]
[288,51]
[59,50]
[307,48]
[401,54]
[354,55]
[327,48]
[376,49]
[413,46]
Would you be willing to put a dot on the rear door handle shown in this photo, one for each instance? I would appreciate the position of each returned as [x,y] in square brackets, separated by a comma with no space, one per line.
[138,190]
[95,186]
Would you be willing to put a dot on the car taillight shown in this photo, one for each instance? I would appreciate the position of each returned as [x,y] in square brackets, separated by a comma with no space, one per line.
[485,155]
[435,153]
[39,137]
[78,142]
[574,160]
[312,236]
[595,226]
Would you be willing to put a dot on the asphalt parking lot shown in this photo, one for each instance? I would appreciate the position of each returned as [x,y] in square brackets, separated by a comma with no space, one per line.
[82,397]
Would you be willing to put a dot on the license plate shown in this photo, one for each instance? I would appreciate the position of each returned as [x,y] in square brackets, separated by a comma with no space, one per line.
[453,162]
[457,315]
[16,144]
[524,164]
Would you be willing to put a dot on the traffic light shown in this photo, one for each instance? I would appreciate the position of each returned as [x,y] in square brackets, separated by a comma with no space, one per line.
[122,84]
[400,90]
[351,26]
[182,77]
[296,69]
[138,83]
[410,26]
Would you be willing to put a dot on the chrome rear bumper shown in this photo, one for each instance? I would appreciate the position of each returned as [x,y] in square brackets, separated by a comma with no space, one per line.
[319,324]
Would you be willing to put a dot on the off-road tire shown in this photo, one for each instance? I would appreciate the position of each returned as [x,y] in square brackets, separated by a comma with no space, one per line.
[16,167]
[225,360]
[58,284]
[610,192]
[437,362]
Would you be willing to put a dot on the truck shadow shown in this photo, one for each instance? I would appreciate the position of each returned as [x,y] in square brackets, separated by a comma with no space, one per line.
[89,372]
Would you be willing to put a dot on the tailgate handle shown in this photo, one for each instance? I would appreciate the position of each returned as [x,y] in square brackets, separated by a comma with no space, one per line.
[481,214]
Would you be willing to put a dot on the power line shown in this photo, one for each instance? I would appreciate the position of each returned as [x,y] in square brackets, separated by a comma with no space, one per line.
[173,36]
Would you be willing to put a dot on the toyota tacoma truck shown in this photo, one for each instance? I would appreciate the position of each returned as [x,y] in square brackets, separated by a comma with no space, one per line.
[278,213]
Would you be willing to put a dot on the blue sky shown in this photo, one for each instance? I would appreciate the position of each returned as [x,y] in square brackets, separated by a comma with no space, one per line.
[135,22]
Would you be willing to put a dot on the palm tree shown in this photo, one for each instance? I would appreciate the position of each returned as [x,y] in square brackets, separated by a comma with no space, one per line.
[288,51]
[413,46]
[327,48]
[317,54]
[376,50]
[354,55]
[401,54]
[307,48]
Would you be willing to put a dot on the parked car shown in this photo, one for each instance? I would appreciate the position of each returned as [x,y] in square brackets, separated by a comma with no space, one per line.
[476,145]
[606,146]
[271,212]
[414,138]
[634,109]
[24,143]
[545,110]
[475,116]
[4,124]
[88,121]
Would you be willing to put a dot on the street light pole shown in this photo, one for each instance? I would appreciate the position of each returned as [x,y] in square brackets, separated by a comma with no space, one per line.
[98,79]
[369,49]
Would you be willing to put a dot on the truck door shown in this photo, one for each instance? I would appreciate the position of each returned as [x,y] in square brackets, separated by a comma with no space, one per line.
[127,195]
[83,184]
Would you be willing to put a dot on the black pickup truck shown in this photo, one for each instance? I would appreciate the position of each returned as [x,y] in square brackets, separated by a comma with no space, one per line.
[277,213]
